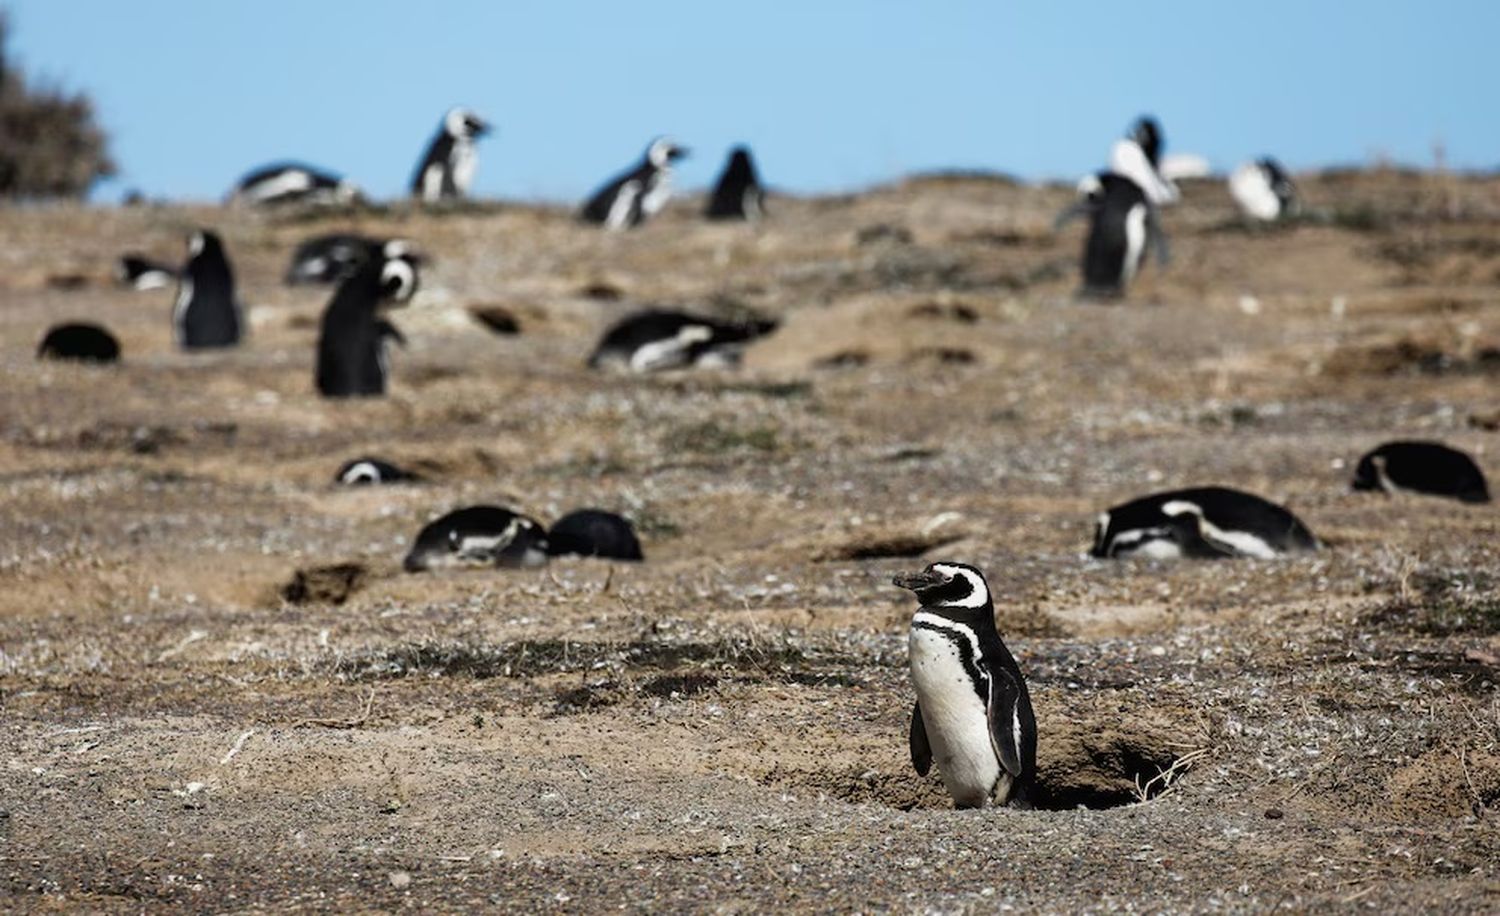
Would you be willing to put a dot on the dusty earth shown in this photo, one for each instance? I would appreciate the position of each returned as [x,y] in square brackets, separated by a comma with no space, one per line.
[197,716]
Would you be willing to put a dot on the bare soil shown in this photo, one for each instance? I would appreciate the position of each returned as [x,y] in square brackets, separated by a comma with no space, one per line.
[220,692]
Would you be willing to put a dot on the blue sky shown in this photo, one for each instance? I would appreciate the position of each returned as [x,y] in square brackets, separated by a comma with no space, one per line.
[831,95]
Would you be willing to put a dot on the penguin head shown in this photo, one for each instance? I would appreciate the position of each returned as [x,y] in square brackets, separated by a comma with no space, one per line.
[398,271]
[1369,473]
[947,584]
[461,122]
[1147,134]
[204,242]
[663,152]
[739,161]
[478,536]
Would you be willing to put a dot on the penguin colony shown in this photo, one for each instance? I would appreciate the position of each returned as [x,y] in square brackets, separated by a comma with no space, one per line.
[972,719]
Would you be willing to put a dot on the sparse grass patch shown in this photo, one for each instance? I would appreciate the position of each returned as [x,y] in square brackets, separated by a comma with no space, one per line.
[712,437]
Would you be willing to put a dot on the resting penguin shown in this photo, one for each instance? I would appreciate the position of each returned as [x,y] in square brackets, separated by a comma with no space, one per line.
[207,313]
[446,171]
[658,339]
[80,341]
[635,196]
[594,533]
[738,194]
[291,182]
[479,536]
[1422,467]
[326,258]
[973,713]
[352,339]
[1122,225]
[1263,190]
[1201,523]
[139,272]
[1138,157]
[367,471]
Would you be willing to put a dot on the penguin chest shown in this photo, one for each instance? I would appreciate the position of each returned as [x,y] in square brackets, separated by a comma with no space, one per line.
[955,717]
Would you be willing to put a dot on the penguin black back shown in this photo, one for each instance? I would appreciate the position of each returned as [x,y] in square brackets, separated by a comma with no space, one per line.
[79,341]
[1422,467]
[1200,523]
[478,536]
[207,313]
[594,533]
[738,194]
[353,336]
[1123,224]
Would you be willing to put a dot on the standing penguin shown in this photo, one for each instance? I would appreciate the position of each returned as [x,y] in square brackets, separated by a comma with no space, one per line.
[207,314]
[352,339]
[635,196]
[1138,157]
[738,194]
[1122,224]
[973,713]
[1263,190]
[446,171]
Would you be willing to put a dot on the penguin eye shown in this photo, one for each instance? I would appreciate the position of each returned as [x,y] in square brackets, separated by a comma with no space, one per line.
[453,539]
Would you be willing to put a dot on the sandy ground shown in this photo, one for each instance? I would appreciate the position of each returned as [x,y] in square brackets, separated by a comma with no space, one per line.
[723,727]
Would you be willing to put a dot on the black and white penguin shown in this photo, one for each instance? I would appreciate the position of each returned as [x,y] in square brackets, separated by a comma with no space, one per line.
[1123,223]
[738,194]
[362,472]
[659,339]
[637,195]
[973,714]
[1138,157]
[140,272]
[327,258]
[1263,190]
[479,536]
[446,171]
[353,335]
[1201,523]
[594,533]
[207,313]
[81,341]
[293,183]
[1422,467]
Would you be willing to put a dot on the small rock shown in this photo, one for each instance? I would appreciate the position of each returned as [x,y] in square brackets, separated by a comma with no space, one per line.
[399,879]
[1274,814]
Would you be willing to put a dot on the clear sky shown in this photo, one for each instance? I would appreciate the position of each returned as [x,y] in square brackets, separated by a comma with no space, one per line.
[831,94]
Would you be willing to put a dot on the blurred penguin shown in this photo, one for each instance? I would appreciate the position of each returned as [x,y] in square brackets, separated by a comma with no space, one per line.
[1138,157]
[446,171]
[207,313]
[1263,190]
[1123,223]
[637,195]
[738,194]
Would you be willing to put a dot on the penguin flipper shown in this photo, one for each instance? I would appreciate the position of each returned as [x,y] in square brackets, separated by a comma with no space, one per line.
[1005,722]
[921,751]
[387,329]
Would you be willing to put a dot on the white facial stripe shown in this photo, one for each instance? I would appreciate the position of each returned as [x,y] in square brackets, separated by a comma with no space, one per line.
[400,271]
[978,594]
[1181,507]
[476,544]
[362,471]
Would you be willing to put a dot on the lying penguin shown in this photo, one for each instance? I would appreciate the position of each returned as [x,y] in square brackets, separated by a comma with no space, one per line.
[1422,467]
[659,339]
[489,536]
[1201,523]
[973,715]
[368,471]
[79,341]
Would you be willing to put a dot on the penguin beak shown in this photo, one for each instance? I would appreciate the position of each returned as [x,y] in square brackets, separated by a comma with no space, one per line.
[678,152]
[917,581]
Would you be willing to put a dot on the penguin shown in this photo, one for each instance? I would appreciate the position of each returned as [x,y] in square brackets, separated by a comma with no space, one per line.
[367,471]
[660,339]
[479,536]
[326,258]
[594,533]
[207,314]
[635,196]
[81,341]
[293,183]
[1123,223]
[973,715]
[1138,157]
[141,273]
[1263,190]
[352,337]
[738,194]
[1200,523]
[446,171]
[1422,467]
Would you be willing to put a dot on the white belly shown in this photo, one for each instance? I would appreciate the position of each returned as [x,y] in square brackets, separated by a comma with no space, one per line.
[1253,192]
[1135,242]
[957,723]
[465,162]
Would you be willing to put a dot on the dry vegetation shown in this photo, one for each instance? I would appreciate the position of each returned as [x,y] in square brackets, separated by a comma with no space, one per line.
[219,691]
